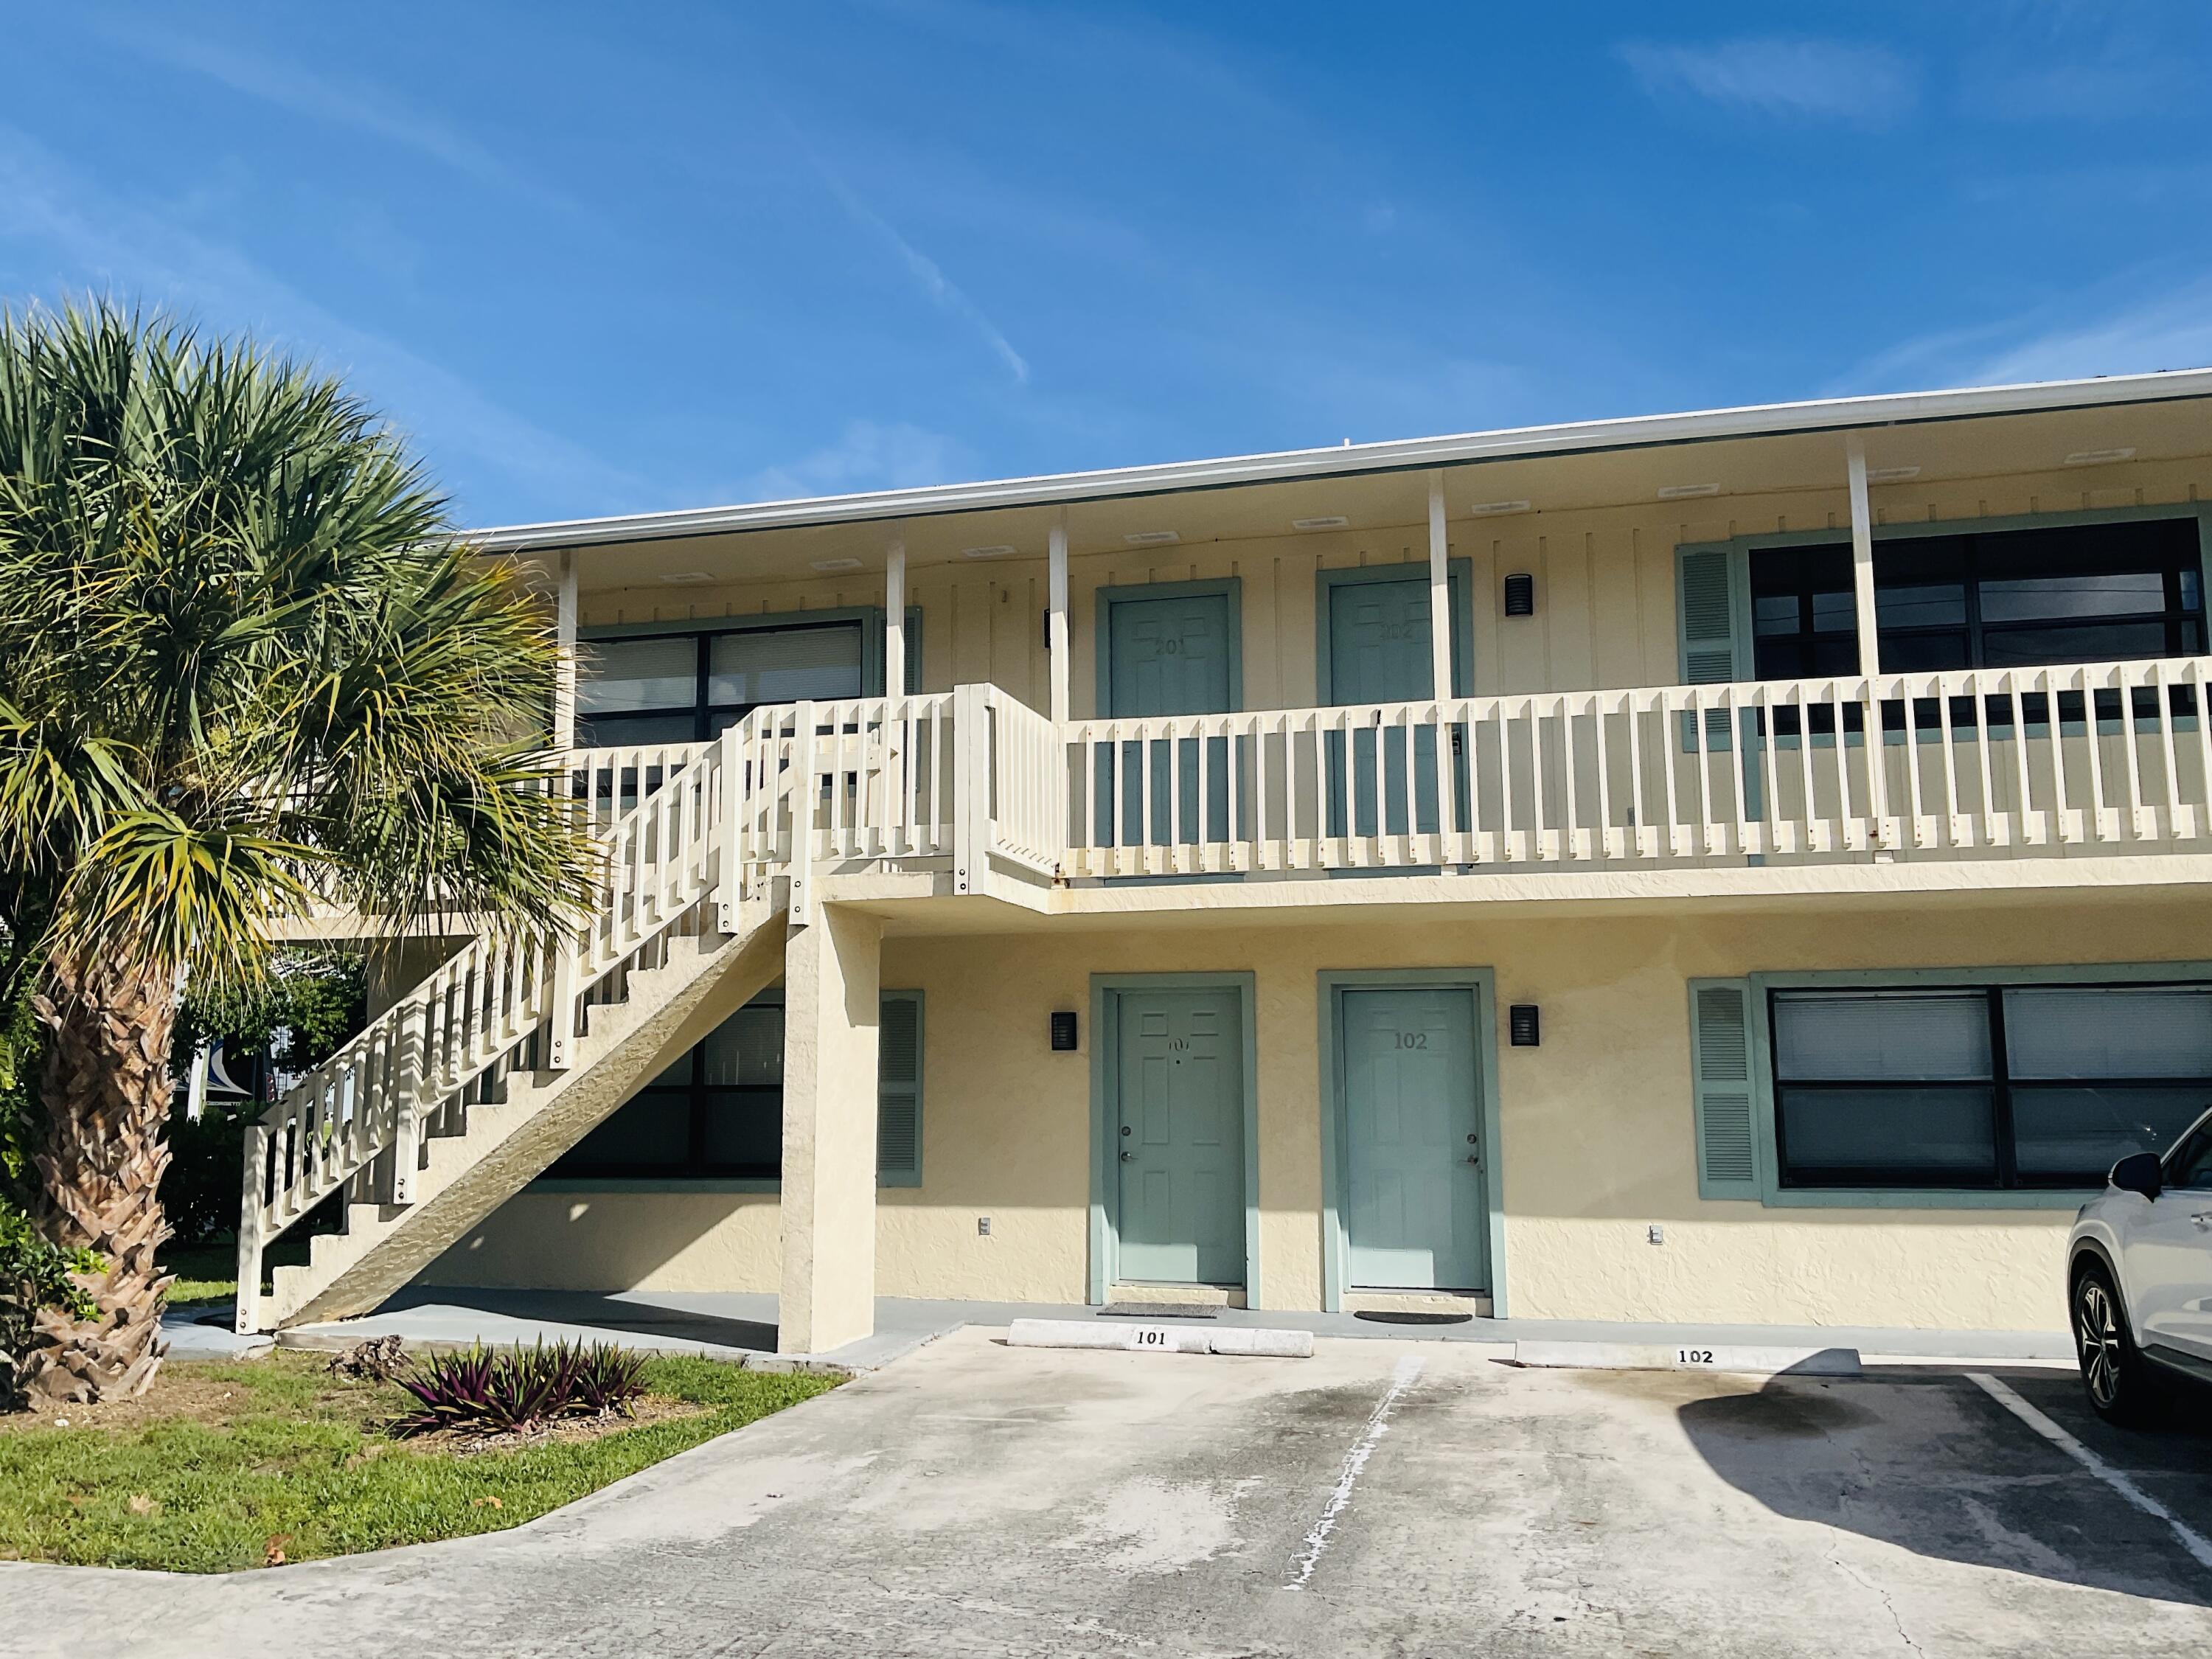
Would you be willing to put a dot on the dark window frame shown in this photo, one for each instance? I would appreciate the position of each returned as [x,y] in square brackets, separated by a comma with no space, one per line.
[709,718]
[2003,1086]
[566,1172]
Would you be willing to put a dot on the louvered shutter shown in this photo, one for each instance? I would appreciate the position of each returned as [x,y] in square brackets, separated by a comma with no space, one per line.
[898,1090]
[1712,592]
[1712,595]
[1720,1062]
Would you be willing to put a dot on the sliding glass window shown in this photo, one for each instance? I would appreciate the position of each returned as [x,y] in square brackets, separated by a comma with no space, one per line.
[686,688]
[1984,1086]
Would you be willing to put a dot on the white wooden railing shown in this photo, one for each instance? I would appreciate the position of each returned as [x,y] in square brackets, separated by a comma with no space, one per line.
[1966,763]
[784,792]
[2104,758]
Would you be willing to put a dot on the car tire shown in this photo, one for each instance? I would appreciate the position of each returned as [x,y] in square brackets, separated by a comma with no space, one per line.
[2120,1383]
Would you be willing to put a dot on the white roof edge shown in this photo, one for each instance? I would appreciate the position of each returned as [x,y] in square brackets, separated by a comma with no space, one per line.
[1757,420]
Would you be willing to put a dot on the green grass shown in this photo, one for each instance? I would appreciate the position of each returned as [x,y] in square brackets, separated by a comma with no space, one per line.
[299,1459]
[209,1272]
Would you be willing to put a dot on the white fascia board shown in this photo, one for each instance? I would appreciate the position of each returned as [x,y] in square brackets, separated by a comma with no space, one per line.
[1642,431]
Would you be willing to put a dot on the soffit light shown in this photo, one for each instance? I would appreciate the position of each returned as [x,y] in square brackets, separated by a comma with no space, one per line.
[686,578]
[1495,509]
[1151,537]
[1890,474]
[837,564]
[1683,492]
[1334,521]
[998,552]
[2098,457]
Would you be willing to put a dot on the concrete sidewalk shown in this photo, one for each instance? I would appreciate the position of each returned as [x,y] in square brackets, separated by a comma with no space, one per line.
[742,1326]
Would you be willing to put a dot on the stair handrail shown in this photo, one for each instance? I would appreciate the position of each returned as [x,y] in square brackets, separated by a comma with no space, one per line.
[369,1099]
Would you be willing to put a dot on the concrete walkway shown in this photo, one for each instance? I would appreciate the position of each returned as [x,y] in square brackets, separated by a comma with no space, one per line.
[1382,1496]
[743,1325]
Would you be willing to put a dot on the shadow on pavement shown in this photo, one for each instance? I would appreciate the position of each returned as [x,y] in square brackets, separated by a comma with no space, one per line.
[1930,1461]
[669,1326]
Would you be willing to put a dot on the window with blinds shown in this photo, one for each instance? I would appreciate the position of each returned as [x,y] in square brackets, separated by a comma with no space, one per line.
[1990,1087]
[685,688]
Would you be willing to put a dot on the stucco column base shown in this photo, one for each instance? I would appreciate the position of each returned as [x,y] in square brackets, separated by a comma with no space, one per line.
[831,990]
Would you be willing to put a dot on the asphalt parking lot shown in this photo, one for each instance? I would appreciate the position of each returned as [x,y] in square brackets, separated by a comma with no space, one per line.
[1381,1498]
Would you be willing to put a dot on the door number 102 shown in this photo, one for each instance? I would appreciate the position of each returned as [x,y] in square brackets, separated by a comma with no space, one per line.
[1412,1039]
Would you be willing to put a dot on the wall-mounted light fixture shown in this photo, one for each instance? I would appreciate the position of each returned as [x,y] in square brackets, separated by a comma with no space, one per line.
[1333,521]
[1497,509]
[1521,594]
[1063,1032]
[835,564]
[999,551]
[1523,1026]
[1151,537]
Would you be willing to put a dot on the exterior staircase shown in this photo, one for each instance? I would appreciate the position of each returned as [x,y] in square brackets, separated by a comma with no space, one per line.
[478,1078]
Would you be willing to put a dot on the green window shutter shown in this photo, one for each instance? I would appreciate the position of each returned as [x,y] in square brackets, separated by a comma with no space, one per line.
[1720,1065]
[1712,590]
[898,1090]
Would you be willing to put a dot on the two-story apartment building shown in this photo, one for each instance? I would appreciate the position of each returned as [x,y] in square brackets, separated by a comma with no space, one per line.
[1747,866]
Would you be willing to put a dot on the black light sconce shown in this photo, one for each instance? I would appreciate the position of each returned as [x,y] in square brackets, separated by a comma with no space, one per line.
[1063,1032]
[1522,1026]
[1520,594]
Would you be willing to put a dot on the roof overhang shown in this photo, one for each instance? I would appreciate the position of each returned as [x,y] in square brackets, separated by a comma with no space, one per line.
[1703,426]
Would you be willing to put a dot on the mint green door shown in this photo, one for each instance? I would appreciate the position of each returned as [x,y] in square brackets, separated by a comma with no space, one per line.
[1171,655]
[1413,1213]
[1179,1137]
[1379,651]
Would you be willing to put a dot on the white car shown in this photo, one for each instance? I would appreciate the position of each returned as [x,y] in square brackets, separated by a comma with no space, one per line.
[2139,1277]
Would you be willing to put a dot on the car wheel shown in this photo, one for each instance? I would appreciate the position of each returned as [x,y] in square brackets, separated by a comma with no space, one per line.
[2116,1377]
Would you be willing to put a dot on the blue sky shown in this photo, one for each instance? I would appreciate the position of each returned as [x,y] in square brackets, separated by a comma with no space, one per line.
[599,260]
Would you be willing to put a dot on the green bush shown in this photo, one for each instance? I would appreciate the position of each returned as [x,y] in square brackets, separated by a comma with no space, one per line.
[34,1274]
[313,1003]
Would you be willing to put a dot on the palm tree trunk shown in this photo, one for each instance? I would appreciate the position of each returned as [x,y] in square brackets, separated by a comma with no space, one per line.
[103,1150]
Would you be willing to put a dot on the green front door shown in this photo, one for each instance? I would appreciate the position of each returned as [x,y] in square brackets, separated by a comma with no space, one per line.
[1413,1213]
[1168,655]
[1380,651]
[1178,1141]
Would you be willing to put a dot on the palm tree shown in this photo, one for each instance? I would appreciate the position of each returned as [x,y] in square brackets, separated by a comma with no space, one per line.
[246,661]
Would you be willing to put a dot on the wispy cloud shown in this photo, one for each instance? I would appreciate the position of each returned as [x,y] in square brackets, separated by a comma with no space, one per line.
[1800,79]
[2169,329]
[56,227]
[866,455]
[925,271]
[294,87]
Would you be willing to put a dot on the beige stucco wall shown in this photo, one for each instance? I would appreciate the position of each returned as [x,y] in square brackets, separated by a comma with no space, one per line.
[1595,1125]
[1605,582]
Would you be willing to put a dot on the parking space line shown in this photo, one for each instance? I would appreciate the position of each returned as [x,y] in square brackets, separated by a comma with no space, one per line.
[2188,1538]
[1354,1460]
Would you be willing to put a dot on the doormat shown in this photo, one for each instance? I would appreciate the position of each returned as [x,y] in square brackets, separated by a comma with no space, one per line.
[1156,1310]
[1382,1316]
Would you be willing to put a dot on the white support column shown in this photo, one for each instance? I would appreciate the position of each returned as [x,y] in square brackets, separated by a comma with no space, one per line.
[1863,559]
[894,620]
[564,673]
[1056,614]
[1439,590]
[832,990]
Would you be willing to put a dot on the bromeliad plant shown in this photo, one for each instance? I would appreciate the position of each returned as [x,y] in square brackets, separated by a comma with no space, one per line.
[492,1391]
[246,657]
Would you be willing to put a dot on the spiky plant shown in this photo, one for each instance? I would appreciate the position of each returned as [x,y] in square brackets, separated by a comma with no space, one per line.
[246,659]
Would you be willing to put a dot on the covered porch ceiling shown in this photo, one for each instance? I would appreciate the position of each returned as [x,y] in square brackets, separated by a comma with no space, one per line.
[2100,428]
